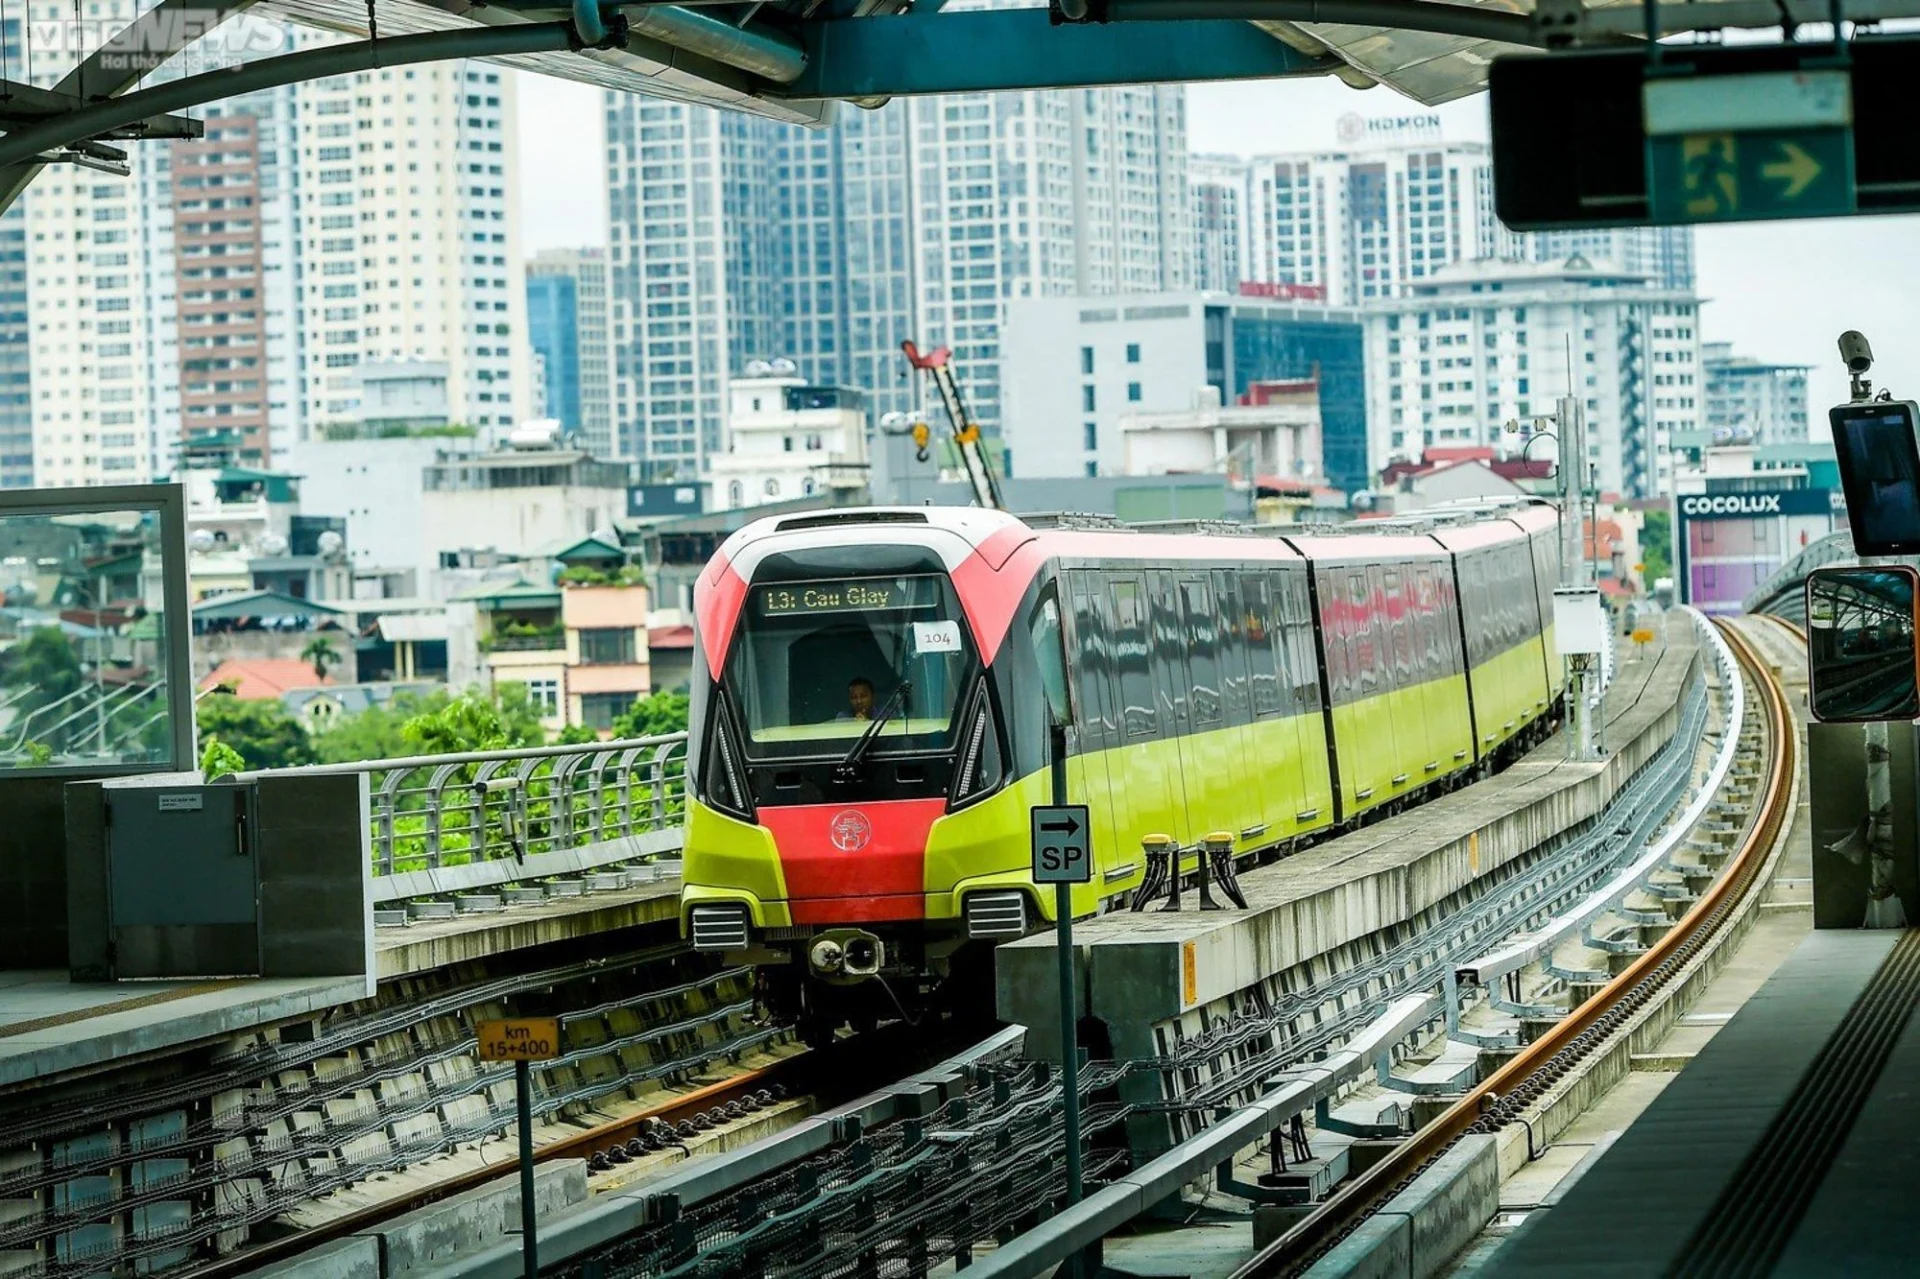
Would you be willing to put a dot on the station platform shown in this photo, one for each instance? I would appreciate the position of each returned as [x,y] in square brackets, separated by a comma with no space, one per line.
[1788,1147]
[52,1026]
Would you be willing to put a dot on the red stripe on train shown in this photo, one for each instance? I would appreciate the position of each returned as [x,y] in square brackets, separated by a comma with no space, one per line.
[870,854]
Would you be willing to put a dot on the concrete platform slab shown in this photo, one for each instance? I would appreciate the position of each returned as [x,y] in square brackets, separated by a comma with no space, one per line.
[50,1025]
[426,945]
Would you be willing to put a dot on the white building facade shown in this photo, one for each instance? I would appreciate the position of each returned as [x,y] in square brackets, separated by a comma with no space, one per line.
[1220,190]
[1481,344]
[1749,400]
[787,439]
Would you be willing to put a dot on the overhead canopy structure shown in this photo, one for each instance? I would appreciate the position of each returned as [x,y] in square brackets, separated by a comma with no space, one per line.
[793,60]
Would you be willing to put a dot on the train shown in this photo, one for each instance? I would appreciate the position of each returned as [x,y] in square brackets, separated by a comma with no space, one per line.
[875,694]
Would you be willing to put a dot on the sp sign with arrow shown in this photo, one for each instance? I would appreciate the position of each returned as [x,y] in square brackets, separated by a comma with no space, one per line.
[1060,845]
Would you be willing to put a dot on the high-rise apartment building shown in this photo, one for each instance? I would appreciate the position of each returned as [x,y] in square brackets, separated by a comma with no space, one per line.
[919,220]
[1219,188]
[1365,224]
[407,240]
[569,322]
[16,355]
[1752,400]
[1663,254]
[1476,345]
[1042,194]
[218,268]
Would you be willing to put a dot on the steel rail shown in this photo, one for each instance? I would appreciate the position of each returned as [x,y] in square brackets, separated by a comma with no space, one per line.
[1581,1030]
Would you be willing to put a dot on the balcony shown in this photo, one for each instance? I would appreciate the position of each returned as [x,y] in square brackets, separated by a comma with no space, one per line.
[526,639]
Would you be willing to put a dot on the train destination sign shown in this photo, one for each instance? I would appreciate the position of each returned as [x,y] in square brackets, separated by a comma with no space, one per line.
[1061,847]
[859,596]
[519,1039]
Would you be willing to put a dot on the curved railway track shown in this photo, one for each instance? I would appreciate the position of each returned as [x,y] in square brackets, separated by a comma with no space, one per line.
[1502,1097]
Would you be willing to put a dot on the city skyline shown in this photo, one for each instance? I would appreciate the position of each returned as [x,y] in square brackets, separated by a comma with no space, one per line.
[1815,279]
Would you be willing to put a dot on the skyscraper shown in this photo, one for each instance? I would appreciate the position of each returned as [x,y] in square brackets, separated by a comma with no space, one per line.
[1219,188]
[1664,254]
[569,318]
[918,220]
[407,240]
[1366,223]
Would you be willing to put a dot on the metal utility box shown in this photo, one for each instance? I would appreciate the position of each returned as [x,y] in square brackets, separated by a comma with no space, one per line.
[1579,620]
[172,877]
[184,883]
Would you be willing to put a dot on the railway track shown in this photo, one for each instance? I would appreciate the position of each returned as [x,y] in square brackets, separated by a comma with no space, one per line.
[1502,1098]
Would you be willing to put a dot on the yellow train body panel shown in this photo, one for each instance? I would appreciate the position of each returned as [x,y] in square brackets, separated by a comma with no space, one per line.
[1510,692]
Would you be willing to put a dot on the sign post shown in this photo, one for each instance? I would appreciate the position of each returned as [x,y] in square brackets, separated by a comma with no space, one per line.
[1062,856]
[523,1041]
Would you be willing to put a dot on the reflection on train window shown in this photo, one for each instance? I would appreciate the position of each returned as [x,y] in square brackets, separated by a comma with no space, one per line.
[1364,645]
[1202,663]
[1129,648]
[817,663]
[1049,649]
[1256,601]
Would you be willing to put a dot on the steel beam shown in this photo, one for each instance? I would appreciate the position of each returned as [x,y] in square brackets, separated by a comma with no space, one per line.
[1437,18]
[98,118]
[144,45]
[928,51]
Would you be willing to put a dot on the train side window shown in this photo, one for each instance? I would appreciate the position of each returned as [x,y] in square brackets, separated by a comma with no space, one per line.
[1093,662]
[1128,643]
[1256,607]
[1433,662]
[1233,646]
[1202,644]
[1333,634]
[1365,645]
[1303,662]
[1406,674]
[1050,651]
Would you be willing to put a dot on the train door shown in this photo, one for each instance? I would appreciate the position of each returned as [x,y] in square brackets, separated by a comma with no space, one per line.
[1368,648]
[1270,742]
[1450,735]
[1142,767]
[1172,687]
[1408,715]
[1093,726]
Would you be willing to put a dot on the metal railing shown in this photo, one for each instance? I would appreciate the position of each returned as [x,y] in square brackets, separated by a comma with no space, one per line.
[443,823]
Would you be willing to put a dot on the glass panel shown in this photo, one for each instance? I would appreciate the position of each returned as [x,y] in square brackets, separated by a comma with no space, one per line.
[1049,649]
[1257,602]
[1860,644]
[817,663]
[83,646]
[1129,648]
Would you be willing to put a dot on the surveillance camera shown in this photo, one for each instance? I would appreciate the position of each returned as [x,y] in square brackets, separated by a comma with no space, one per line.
[1855,351]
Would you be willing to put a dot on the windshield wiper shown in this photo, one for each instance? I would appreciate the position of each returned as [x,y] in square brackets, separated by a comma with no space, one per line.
[849,768]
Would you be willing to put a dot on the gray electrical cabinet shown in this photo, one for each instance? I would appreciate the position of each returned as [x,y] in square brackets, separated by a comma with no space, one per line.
[184,882]
[172,877]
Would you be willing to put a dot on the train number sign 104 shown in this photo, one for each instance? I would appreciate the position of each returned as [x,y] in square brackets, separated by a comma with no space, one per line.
[520,1039]
[1061,845]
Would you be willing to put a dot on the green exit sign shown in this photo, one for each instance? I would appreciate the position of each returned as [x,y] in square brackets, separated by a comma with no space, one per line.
[1739,148]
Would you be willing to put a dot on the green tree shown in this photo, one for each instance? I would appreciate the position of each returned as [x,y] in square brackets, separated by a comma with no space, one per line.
[576,735]
[262,733]
[36,672]
[320,655]
[653,716]
[375,733]
[475,722]
[1656,546]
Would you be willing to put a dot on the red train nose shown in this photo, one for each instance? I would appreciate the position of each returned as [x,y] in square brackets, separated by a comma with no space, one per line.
[854,863]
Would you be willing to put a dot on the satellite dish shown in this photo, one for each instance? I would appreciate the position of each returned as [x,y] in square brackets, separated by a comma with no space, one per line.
[331,543]
[273,544]
[758,368]
[201,540]
[784,366]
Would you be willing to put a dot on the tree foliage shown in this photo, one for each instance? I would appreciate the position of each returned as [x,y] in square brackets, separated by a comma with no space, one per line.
[262,733]
[1656,546]
[653,716]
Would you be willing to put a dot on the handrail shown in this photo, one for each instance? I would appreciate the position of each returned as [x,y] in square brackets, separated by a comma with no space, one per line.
[1511,958]
[439,823]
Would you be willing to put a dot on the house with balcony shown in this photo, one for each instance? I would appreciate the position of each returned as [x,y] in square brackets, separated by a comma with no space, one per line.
[573,629]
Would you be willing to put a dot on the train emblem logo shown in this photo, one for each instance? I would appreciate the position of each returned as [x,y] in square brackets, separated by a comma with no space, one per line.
[850,830]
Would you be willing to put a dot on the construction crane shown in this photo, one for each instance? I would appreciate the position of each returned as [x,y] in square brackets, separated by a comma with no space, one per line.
[937,364]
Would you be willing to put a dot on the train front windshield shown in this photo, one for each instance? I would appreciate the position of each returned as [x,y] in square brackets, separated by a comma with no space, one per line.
[817,663]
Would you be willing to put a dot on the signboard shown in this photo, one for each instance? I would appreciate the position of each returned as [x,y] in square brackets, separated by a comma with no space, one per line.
[658,501]
[1726,544]
[1739,148]
[1061,847]
[1709,133]
[519,1039]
